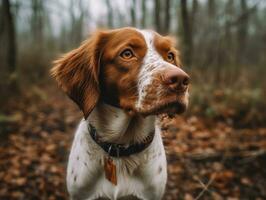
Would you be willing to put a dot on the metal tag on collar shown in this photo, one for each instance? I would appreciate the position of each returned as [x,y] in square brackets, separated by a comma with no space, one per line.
[115,147]
[110,168]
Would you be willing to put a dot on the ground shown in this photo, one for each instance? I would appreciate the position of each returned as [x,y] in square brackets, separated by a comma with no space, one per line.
[207,159]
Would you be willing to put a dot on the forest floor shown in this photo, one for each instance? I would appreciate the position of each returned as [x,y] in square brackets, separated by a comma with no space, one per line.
[207,159]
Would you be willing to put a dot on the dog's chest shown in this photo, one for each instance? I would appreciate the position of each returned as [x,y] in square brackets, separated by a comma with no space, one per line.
[135,175]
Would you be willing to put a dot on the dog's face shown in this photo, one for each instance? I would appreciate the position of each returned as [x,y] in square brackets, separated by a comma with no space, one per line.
[138,71]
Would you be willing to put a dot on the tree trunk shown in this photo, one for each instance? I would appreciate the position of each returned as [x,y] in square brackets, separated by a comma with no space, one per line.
[133,13]
[143,19]
[167,17]
[37,22]
[187,35]
[77,21]
[229,11]
[211,8]
[157,19]
[242,33]
[195,6]
[7,50]
[110,14]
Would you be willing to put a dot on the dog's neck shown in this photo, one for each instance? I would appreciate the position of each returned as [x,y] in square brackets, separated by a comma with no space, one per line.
[115,125]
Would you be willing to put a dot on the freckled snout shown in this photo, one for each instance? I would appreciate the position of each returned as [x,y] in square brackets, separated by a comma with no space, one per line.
[176,79]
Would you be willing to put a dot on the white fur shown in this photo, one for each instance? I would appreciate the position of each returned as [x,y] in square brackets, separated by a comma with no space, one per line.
[153,63]
[142,175]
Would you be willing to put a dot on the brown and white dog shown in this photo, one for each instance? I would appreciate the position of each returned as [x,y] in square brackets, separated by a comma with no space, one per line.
[122,80]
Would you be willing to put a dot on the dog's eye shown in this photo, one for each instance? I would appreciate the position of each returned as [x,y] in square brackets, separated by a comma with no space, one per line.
[170,57]
[127,54]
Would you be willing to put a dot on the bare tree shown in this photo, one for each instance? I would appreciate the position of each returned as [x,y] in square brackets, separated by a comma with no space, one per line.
[157,18]
[110,13]
[211,8]
[229,10]
[242,31]
[143,17]
[187,34]
[8,50]
[194,13]
[133,13]
[195,6]
[77,20]
[37,22]
[167,17]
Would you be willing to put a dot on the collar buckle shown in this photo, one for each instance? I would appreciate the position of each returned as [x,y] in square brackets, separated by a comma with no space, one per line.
[115,147]
[119,150]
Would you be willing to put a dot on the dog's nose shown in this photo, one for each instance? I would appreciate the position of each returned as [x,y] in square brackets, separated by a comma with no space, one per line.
[176,79]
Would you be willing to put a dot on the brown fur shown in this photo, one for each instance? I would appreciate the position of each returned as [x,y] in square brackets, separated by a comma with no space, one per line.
[164,45]
[77,73]
[119,75]
[96,65]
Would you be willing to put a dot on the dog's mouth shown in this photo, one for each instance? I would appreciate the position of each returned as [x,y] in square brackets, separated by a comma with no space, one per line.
[173,105]
[171,108]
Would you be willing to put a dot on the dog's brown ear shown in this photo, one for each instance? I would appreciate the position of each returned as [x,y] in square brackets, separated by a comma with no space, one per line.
[77,73]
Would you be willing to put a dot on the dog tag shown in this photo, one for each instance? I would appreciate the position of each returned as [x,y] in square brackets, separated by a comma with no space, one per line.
[110,170]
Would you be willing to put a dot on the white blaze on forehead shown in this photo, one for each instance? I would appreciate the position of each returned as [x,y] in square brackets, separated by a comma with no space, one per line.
[152,62]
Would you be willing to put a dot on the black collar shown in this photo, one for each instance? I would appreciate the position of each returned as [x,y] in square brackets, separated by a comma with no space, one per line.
[119,150]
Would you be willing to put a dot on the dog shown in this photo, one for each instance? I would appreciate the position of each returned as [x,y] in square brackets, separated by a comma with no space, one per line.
[122,80]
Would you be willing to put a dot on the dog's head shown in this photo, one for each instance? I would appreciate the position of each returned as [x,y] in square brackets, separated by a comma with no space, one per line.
[136,70]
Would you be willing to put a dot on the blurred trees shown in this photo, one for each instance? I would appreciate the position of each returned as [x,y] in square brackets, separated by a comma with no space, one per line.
[79,11]
[110,13]
[157,16]
[8,49]
[143,10]
[37,22]
[133,13]
[167,16]
[187,35]
[242,31]
[219,37]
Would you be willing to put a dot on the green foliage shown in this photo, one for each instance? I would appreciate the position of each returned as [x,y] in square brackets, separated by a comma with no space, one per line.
[244,106]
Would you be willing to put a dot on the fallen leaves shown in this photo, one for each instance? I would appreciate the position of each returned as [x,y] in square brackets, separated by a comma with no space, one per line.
[33,157]
[213,162]
[206,159]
